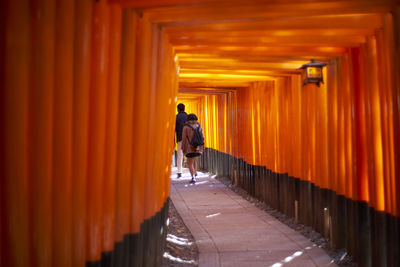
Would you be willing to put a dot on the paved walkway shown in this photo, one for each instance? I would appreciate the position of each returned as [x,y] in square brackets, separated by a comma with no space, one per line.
[230,231]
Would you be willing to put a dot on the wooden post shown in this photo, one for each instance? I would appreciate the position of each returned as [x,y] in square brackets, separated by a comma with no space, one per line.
[124,184]
[82,44]
[97,119]
[332,244]
[41,112]
[326,223]
[62,134]
[111,140]
[14,101]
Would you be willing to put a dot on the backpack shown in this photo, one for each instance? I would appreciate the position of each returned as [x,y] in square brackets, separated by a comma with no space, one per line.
[197,139]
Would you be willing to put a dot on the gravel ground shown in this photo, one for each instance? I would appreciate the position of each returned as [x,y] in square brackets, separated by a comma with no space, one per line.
[339,256]
[181,249]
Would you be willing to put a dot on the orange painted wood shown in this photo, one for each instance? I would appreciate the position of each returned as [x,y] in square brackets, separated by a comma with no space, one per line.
[159,104]
[396,111]
[146,3]
[141,191]
[16,73]
[62,134]
[82,92]
[124,209]
[369,136]
[360,127]
[3,212]
[152,141]
[171,79]
[111,138]
[376,129]
[97,123]
[41,110]
[81,71]
[346,140]
[385,42]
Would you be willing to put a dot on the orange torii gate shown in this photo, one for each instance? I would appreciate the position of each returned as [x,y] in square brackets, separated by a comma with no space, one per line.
[88,95]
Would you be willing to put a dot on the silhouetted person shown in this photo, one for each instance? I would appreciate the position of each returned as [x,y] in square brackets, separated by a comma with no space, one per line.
[181,118]
[192,151]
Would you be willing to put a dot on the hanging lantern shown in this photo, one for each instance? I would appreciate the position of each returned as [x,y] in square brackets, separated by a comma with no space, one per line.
[312,72]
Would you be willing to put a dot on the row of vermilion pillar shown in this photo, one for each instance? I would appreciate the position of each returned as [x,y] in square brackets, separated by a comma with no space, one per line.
[340,142]
[83,84]
[342,135]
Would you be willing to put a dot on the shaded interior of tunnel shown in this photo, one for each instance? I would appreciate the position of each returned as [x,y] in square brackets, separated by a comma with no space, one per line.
[81,99]
[317,151]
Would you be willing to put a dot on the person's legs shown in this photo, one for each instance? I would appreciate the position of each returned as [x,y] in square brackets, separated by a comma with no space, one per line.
[179,159]
[191,167]
[195,165]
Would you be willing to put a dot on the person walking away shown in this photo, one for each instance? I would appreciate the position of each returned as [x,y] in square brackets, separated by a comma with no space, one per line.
[192,143]
[181,119]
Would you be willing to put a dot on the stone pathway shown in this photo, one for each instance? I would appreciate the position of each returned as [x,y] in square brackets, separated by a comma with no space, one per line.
[230,231]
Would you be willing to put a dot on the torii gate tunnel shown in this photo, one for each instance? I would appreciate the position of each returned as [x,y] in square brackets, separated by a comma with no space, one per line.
[88,99]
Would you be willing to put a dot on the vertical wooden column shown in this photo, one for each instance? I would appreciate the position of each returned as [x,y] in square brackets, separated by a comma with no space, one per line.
[152,111]
[81,69]
[41,130]
[166,91]
[361,186]
[62,136]
[313,137]
[15,71]
[396,127]
[97,119]
[376,129]
[368,126]
[389,71]
[170,77]
[111,139]
[385,106]
[307,133]
[350,143]
[332,124]
[159,95]
[396,106]
[387,84]
[296,124]
[141,195]
[252,118]
[123,203]
[340,132]
[3,213]
[285,158]
[142,157]
[322,132]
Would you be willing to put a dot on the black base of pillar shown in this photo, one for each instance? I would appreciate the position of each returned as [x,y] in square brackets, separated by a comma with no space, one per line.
[140,249]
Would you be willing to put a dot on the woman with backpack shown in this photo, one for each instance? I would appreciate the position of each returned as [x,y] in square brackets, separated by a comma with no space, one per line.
[192,143]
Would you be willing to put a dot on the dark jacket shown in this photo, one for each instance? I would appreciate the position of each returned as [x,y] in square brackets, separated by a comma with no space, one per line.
[180,121]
